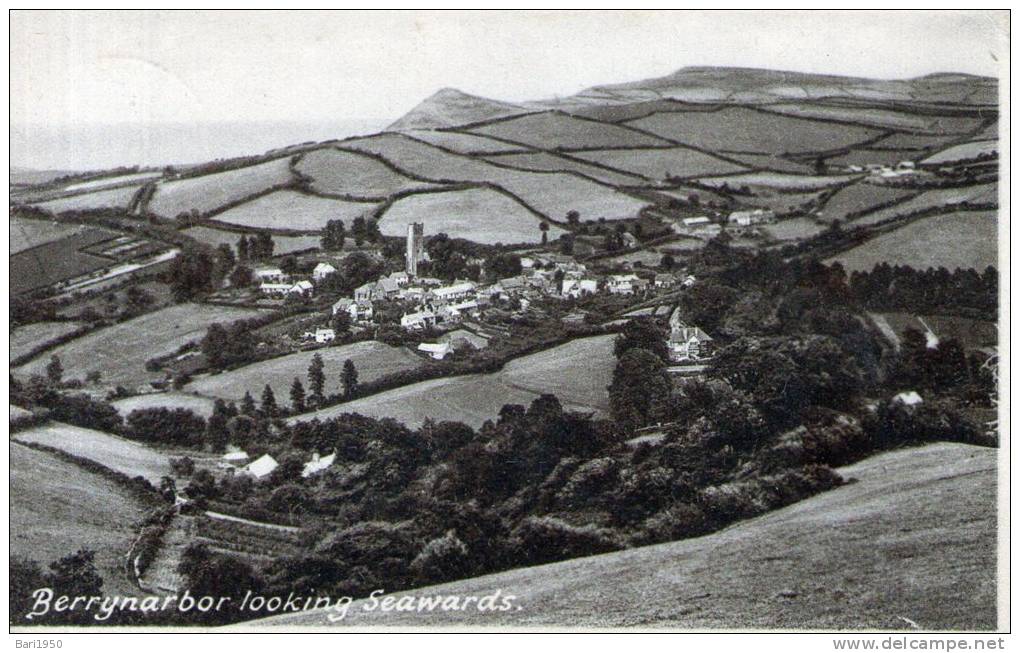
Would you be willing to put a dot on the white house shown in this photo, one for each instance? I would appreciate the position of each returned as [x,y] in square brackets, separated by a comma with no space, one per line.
[235,456]
[317,464]
[418,320]
[578,287]
[365,292]
[454,292]
[908,398]
[460,309]
[262,467]
[693,223]
[359,311]
[689,281]
[664,280]
[437,351]
[323,335]
[621,284]
[688,344]
[748,218]
[271,275]
[303,288]
[321,271]
[272,289]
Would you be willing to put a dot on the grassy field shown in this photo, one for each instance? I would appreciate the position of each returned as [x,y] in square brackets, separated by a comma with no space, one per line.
[281,244]
[114,452]
[113,198]
[337,172]
[58,508]
[210,192]
[864,157]
[773,162]
[552,194]
[961,239]
[656,164]
[558,131]
[860,197]
[577,372]
[112,181]
[963,151]
[59,260]
[463,142]
[544,161]
[900,141]
[736,129]
[26,233]
[199,405]
[372,360]
[119,352]
[26,338]
[778,180]
[288,209]
[929,199]
[914,538]
[794,229]
[873,117]
[479,214]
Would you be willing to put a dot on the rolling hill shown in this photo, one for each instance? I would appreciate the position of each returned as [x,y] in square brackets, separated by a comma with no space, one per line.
[449,107]
[911,540]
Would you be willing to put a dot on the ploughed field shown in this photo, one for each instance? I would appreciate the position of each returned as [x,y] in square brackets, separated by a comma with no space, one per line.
[914,538]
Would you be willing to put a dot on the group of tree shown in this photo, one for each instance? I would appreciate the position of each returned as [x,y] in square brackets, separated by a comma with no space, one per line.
[256,247]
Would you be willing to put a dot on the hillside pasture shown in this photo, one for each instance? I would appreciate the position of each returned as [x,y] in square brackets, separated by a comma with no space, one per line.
[794,229]
[773,162]
[577,372]
[933,199]
[557,131]
[289,209]
[111,451]
[60,260]
[544,161]
[860,197]
[778,180]
[208,193]
[464,142]
[864,157]
[58,508]
[25,339]
[95,184]
[901,141]
[119,351]
[372,360]
[199,405]
[959,239]
[26,233]
[281,244]
[658,163]
[339,172]
[739,129]
[963,152]
[112,198]
[875,117]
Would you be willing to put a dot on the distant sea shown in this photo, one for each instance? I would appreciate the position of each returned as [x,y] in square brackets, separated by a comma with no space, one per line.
[93,147]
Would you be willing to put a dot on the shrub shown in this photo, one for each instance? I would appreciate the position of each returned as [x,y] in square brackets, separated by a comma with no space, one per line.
[538,540]
[444,558]
[677,521]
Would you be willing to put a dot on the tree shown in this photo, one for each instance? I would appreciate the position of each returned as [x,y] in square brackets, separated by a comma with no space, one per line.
[226,256]
[269,407]
[358,230]
[54,370]
[248,405]
[641,334]
[341,323]
[191,272]
[94,377]
[544,228]
[334,235]
[297,396]
[317,379]
[241,277]
[349,378]
[242,249]
[573,218]
[640,390]
[667,262]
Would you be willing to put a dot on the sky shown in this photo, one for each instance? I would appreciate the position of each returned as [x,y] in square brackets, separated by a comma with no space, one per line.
[74,71]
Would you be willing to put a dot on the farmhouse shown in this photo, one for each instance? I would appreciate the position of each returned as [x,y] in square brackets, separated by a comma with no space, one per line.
[437,351]
[324,335]
[271,275]
[321,271]
[317,464]
[460,290]
[262,467]
[271,289]
[511,286]
[688,344]
[748,218]
[360,311]
[303,288]
[694,223]
[625,284]
[366,292]
[418,320]
[665,280]
[579,287]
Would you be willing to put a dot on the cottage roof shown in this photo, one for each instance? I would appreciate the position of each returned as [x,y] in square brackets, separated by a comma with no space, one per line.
[262,467]
[685,334]
[317,464]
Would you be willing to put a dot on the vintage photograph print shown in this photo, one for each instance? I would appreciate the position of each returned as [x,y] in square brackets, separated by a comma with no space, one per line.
[503,321]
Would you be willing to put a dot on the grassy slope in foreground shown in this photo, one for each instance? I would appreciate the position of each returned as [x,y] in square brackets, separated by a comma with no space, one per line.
[58,508]
[913,538]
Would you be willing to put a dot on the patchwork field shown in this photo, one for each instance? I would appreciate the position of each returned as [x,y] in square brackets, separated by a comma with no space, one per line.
[778,180]
[479,214]
[288,209]
[113,198]
[961,239]
[794,229]
[59,260]
[372,360]
[963,152]
[658,163]
[210,192]
[772,162]
[917,529]
[875,157]
[931,199]
[875,117]
[463,142]
[26,338]
[544,161]
[26,234]
[861,197]
[577,372]
[900,141]
[338,172]
[113,181]
[108,450]
[199,405]
[58,508]
[737,129]
[550,131]
[281,244]
[119,352]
